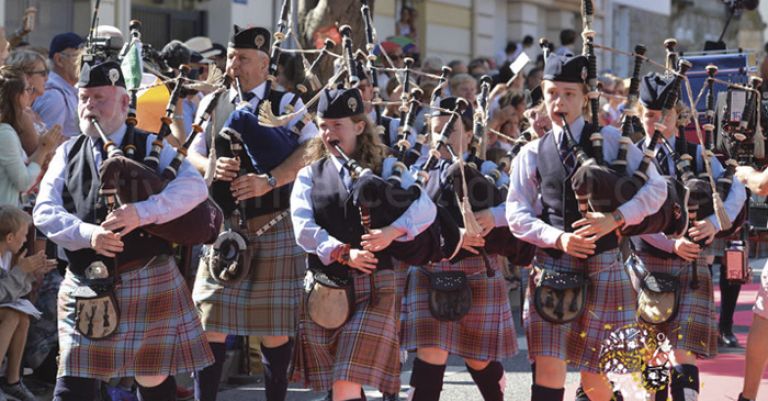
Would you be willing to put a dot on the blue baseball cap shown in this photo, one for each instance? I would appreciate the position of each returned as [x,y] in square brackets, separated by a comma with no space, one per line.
[62,41]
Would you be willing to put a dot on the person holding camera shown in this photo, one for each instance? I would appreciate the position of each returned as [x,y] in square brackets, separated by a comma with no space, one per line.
[757,347]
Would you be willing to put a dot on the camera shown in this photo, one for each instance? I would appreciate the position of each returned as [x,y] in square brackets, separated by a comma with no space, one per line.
[742,4]
[103,48]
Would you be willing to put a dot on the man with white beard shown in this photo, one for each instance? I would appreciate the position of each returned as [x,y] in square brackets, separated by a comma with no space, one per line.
[155,332]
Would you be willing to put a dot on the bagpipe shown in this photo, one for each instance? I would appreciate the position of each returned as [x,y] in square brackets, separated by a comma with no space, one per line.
[604,188]
[466,190]
[126,180]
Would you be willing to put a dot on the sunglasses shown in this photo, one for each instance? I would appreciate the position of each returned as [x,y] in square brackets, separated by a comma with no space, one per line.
[29,89]
[43,72]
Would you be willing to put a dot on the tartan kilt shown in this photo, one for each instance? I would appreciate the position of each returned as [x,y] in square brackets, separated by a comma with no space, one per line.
[694,328]
[365,350]
[486,333]
[263,304]
[611,304]
[159,332]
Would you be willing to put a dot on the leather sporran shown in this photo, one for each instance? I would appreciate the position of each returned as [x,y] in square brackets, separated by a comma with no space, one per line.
[229,258]
[97,313]
[658,298]
[559,297]
[450,297]
[331,300]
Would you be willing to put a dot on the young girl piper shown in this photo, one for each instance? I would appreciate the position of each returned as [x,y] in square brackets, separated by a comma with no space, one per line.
[327,224]
[542,209]
[486,334]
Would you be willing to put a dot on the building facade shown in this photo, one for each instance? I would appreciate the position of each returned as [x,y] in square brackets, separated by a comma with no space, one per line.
[451,29]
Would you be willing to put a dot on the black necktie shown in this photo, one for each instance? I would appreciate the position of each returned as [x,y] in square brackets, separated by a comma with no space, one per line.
[99,144]
[248,96]
[661,157]
[566,155]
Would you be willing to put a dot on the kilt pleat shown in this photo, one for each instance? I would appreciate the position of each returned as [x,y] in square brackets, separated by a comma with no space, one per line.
[365,350]
[611,304]
[486,333]
[159,332]
[694,328]
[263,304]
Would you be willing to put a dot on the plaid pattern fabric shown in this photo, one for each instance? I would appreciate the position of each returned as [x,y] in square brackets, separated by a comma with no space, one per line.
[365,350]
[159,332]
[42,335]
[611,304]
[486,333]
[694,328]
[266,302]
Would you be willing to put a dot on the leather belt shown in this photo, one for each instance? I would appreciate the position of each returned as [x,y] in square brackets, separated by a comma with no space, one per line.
[260,224]
[136,264]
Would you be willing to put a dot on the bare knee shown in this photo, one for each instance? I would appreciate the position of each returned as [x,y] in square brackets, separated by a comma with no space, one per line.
[596,386]
[274,341]
[150,381]
[683,357]
[475,364]
[215,337]
[23,321]
[345,390]
[550,372]
[433,356]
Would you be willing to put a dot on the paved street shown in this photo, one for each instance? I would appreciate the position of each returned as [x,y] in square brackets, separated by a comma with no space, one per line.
[721,378]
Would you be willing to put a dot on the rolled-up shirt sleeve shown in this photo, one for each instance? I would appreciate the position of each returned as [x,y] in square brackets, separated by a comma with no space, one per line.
[660,241]
[309,235]
[417,218]
[650,197]
[522,201]
[180,196]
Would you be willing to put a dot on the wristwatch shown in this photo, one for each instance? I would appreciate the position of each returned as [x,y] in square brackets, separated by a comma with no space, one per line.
[618,217]
[271,181]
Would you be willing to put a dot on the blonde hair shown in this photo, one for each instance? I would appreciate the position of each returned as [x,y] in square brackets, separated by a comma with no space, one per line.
[12,219]
[369,152]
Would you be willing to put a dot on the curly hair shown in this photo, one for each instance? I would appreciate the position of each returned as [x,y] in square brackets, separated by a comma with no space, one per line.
[12,84]
[369,152]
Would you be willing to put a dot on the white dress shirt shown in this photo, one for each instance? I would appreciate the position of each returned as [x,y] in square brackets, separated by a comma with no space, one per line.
[524,199]
[316,240]
[180,196]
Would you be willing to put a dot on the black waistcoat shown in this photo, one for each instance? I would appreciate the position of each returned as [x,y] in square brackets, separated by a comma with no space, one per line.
[560,208]
[640,244]
[81,198]
[334,211]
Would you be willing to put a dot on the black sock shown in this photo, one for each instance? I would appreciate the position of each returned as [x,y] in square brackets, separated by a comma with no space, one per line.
[275,361]
[729,295]
[165,391]
[488,381]
[69,388]
[207,380]
[581,395]
[684,377]
[541,393]
[662,395]
[426,381]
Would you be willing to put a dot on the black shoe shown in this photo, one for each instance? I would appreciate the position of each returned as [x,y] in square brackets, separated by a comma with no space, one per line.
[390,397]
[727,339]
[328,397]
